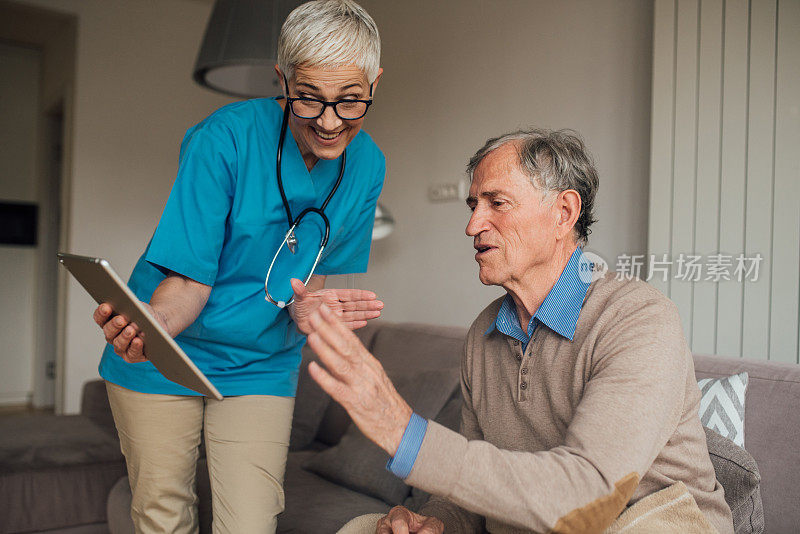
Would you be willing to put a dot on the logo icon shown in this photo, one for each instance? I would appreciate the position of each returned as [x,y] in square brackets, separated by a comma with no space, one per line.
[591,267]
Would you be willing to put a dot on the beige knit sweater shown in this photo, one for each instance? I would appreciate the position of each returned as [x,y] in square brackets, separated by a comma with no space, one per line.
[569,432]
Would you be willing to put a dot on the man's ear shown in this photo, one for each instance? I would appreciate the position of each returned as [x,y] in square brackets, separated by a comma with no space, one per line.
[568,204]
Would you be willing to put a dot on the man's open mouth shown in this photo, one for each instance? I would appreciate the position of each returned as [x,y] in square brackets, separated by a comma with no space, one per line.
[483,249]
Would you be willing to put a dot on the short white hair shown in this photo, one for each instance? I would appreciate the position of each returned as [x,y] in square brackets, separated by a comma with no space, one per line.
[329,33]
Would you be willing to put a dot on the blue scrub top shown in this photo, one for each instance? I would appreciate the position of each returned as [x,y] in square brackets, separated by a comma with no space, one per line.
[222,224]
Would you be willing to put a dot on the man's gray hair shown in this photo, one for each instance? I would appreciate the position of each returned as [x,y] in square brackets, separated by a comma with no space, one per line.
[555,161]
[329,33]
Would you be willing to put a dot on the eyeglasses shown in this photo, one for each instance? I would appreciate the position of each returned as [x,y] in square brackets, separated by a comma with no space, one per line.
[311,108]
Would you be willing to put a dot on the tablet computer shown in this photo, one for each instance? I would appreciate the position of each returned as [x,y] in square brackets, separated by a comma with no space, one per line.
[104,285]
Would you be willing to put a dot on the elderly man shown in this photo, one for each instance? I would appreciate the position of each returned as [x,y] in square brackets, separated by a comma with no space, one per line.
[579,396]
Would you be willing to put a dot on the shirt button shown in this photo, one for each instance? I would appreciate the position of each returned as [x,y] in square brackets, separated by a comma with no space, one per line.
[524,385]
[519,356]
[524,370]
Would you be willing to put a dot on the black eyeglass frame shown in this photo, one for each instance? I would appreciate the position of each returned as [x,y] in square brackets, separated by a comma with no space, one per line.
[333,103]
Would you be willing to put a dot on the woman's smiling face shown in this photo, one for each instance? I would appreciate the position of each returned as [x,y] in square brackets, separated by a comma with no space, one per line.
[327,136]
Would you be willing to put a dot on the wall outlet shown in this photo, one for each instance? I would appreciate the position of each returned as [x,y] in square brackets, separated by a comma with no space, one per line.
[448,191]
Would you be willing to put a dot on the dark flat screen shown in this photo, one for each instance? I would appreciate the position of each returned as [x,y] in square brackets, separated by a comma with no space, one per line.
[18,223]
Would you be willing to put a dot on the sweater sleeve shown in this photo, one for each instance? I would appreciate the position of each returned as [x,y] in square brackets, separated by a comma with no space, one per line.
[630,406]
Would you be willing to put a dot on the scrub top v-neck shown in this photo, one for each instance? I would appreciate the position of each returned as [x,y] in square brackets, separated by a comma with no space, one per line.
[221,226]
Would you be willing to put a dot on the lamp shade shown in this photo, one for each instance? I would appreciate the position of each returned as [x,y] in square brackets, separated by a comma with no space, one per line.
[384,222]
[240,47]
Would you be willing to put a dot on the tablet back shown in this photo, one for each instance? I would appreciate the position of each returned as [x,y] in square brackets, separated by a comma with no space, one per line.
[104,285]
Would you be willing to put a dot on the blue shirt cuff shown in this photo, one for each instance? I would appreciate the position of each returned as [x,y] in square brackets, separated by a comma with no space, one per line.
[403,460]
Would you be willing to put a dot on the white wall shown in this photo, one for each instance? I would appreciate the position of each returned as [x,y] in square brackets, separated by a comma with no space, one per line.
[19,92]
[460,71]
[457,72]
[134,100]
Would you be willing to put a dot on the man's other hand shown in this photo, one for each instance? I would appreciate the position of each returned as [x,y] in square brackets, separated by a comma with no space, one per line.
[356,380]
[401,520]
[354,307]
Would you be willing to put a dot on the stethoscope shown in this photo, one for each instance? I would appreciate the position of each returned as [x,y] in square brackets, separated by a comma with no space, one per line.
[290,239]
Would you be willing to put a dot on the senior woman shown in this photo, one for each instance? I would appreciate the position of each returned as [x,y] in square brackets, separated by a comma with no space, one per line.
[203,274]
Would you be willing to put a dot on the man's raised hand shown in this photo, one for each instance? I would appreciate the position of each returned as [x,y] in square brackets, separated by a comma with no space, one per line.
[356,380]
[354,307]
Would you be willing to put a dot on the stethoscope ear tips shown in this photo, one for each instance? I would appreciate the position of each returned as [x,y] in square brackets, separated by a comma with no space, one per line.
[280,304]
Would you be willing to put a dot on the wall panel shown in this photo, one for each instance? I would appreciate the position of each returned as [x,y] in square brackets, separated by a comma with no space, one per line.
[709,137]
[662,132]
[686,78]
[734,173]
[785,292]
[758,211]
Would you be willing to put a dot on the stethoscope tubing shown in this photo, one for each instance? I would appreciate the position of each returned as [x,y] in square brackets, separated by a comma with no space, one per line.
[293,222]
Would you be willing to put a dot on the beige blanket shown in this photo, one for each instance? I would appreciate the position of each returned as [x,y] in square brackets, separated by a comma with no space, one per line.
[672,509]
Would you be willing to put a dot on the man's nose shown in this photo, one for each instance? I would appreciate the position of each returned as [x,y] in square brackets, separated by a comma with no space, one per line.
[329,121]
[477,222]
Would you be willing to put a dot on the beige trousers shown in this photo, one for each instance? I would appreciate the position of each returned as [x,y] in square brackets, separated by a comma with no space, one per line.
[247,440]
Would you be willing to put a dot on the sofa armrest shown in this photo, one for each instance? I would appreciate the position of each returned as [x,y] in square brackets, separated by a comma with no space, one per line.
[95,406]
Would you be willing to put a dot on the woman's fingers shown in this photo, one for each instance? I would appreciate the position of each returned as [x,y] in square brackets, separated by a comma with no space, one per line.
[102,313]
[350,295]
[299,289]
[135,352]
[355,325]
[113,328]
[360,305]
[362,315]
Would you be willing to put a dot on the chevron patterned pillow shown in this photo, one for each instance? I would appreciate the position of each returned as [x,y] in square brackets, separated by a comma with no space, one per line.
[722,405]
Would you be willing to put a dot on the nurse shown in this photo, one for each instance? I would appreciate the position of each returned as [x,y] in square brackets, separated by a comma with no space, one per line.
[203,275]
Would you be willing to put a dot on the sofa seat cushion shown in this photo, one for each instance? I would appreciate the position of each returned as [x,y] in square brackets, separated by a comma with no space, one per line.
[55,472]
[315,505]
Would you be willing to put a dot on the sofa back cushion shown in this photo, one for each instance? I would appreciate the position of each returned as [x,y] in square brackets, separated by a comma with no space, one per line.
[358,464]
[401,348]
[311,401]
[772,423]
[738,473]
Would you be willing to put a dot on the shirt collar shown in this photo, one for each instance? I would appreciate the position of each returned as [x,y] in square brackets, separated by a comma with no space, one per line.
[559,311]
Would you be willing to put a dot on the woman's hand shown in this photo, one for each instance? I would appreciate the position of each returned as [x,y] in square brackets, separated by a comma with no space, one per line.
[175,304]
[124,335]
[354,307]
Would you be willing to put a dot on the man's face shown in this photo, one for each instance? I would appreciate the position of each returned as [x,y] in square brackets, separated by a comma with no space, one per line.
[512,225]
[327,136]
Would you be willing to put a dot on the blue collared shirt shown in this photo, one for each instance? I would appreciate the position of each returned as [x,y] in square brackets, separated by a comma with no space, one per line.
[559,311]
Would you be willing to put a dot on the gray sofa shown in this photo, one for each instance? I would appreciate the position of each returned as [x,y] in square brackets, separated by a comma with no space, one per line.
[334,474]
